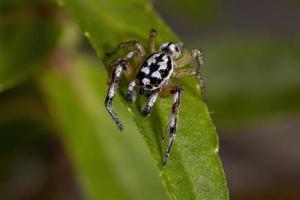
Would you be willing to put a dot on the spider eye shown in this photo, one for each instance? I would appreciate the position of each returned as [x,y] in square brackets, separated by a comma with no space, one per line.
[164,46]
[172,49]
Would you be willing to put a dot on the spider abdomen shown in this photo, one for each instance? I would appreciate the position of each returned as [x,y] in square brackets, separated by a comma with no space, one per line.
[155,71]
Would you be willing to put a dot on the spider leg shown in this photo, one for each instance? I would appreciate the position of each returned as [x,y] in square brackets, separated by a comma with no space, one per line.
[131,93]
[138,51]
[177,92]
[184,72]
[186,59]
[121,65]
[152,40]
[131,43]
[111,93]
[148,107]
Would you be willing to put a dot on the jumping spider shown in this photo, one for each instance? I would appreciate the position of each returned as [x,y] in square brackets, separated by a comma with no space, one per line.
[152,77]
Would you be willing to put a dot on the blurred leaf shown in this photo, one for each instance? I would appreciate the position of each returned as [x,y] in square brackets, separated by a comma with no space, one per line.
[253,79]
[27,163]
[194,170]
[110,165]
[28,33]
[20,135]
[21,102]
[24,157]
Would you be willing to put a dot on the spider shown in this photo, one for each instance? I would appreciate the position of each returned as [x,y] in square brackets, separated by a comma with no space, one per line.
[152,77]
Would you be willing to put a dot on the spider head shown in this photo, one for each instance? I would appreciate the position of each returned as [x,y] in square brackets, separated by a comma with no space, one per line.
[172,49]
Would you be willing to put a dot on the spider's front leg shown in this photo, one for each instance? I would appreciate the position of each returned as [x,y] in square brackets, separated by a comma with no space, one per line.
[196,71]
[115,76]
[131,43]
[120,66]
[177,92]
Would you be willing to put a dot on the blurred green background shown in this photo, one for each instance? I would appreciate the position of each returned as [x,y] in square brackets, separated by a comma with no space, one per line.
[252,57]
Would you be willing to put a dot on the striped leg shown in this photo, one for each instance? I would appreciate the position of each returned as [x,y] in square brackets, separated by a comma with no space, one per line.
[131,93]
[111,92]
[120,66]
[147,109]
[177,91]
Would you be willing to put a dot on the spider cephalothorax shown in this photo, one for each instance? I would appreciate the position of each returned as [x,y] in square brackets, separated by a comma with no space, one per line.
[152,78]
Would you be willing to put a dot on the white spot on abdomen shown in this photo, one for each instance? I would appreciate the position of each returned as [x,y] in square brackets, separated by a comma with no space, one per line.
[156,74]
[146,70]
[162,67]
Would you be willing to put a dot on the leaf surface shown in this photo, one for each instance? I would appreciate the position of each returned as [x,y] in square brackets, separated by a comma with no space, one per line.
[28,34]
[110,165]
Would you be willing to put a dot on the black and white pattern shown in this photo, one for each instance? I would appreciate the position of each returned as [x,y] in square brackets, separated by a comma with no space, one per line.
[113,85]
[152,99]
[131,93]
[174,50]
[155,71]
[177,92]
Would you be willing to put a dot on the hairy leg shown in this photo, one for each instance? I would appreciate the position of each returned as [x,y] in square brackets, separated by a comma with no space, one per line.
[131,93]
[196,71]
[115,76]
[184,72]
[131,43]
[152,40]
[177,92]
[120,65]
[148,107]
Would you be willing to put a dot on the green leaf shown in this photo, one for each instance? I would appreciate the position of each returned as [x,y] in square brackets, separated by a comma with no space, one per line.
[110,165]
[28,33]
[194,170]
